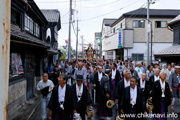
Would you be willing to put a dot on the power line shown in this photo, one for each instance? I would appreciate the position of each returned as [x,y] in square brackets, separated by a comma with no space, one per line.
[60,1]
[99,5]
[109,12]
[65,14]
[101,15]
[131,16]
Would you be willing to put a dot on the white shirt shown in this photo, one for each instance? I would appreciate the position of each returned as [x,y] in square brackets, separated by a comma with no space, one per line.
[113,74]
[142,84]
[79,92]
[133,95]
[169,71]
[126,84]
[162,86]
[99,76]
[156,78]
[61,93]
[42,85]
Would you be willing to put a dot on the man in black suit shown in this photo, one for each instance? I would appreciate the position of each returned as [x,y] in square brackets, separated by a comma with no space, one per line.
[145,87]
[61,101]
[121,86]
[114,79]
[97,78]
[132,102]
[161,96]
[154,78]
[81,97]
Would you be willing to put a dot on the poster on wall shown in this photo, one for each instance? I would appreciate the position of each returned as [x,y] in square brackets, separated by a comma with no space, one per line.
[16,64]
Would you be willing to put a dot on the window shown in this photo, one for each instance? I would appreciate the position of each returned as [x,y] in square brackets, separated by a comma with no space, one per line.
[121,25]
[26,22]
[36,30]
[138,57]
[110,53]
[160,24]
[31,26]
[114,30]
[138,24]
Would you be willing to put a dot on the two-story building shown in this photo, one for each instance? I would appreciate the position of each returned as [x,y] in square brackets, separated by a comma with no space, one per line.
[105,31]
[127,38]
[54,25]
[29,47]
[172,53]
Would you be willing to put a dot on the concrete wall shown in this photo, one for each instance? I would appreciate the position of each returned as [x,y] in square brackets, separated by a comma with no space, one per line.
[159,34]
[16,96]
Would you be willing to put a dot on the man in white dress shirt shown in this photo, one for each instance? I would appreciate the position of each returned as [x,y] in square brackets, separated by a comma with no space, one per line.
[45,94]
[61,100]
[132,101]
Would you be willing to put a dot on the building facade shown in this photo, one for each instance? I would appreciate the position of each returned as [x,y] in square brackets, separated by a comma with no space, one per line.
[127,39]
[105,31]
[172,53]
[29,49]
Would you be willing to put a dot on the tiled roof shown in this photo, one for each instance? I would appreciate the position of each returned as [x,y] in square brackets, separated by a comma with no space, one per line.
[176,19]
[51,15]
[16,32]
[155,12]
[175,49]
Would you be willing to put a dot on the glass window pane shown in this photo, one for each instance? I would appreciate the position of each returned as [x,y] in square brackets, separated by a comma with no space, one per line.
[134,57]
[140,57]
[163,24]
[138,23]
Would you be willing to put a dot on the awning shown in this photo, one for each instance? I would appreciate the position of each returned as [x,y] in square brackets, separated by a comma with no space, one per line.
[170,51]
[53,51]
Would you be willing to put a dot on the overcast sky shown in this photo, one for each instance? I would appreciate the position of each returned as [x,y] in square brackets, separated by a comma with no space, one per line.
[88,9]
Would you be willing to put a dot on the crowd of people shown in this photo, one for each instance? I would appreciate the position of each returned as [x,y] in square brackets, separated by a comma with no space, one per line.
[115,87]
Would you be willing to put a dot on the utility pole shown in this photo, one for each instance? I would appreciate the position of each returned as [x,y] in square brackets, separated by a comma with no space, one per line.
[5,16]
[69,40]
[77,41]
[82,46]
[148,32]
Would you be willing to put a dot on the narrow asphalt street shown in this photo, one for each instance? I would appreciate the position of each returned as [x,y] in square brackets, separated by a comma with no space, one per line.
[37,114]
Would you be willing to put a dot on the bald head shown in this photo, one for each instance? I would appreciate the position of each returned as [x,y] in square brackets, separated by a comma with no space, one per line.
[80,65]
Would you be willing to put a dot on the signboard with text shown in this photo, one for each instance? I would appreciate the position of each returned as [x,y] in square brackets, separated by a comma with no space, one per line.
[120,38]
